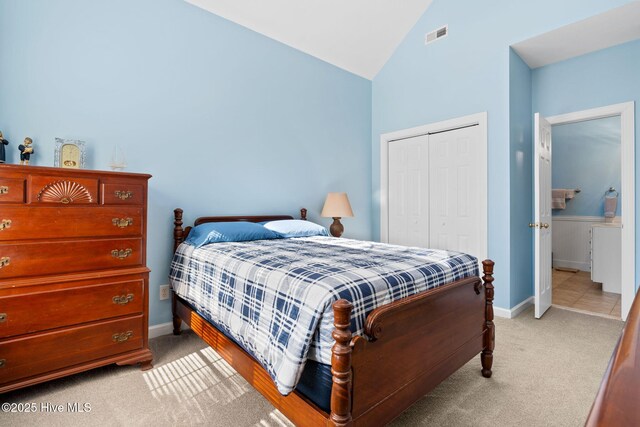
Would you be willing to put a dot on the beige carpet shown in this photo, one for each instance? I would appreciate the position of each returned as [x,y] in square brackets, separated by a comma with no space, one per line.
[546,373]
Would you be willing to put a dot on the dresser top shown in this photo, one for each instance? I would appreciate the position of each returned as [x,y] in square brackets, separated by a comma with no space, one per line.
[51,171]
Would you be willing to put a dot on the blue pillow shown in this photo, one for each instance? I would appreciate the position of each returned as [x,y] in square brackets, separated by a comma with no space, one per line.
[240,231]
[296,228]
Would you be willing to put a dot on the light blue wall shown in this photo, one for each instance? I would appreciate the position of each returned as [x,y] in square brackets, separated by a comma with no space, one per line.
[586,155]
[465,73]
[227,121]
[606,77]
[521,171]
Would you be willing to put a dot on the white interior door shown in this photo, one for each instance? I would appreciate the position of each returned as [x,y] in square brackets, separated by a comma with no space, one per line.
[542,224]
[454,171]
[408,192]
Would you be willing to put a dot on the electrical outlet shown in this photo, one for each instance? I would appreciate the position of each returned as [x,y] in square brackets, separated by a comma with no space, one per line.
[164,291]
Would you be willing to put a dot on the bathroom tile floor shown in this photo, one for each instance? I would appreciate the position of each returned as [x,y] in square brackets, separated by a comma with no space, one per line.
[577,291]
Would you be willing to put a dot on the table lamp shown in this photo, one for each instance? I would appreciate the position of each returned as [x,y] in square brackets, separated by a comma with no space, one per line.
[337,206]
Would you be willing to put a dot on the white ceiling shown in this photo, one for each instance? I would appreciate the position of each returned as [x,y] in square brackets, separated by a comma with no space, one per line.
[356,35]
[608,29]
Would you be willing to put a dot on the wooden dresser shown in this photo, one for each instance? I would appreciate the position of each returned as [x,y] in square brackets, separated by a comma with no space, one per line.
[73,275]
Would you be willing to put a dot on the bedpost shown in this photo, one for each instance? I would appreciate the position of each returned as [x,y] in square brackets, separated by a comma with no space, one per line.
[341,365]
[178,237]
[303,214]
[178,232]
[490,331]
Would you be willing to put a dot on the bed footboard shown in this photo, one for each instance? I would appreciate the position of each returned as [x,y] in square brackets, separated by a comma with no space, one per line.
[411,345]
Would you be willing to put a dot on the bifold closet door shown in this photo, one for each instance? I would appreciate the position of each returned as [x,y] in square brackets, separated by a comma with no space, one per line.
[434,191]
[409,192]
[454,190]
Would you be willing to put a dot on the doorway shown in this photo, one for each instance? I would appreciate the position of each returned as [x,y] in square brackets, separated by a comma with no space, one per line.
[586,178]
[599,234]
[434,186]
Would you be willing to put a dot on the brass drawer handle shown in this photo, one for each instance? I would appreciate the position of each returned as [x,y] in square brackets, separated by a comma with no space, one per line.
[121,253]
[122,222]
[3,317]
[4,261]
[5,223]
[123,195]
[122,337]
[3,362]
[123,299]
[4,189]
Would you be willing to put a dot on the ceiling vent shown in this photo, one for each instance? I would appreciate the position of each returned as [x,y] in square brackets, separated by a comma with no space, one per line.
[438,34]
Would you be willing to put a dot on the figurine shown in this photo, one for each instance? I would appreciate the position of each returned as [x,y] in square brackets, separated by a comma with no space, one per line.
[3,142]
[26,150]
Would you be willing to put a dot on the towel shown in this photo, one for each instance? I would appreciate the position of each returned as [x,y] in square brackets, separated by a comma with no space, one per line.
[558,200]
[610,206]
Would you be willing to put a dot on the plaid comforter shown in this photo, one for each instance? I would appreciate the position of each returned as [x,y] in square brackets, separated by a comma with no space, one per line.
[274,297]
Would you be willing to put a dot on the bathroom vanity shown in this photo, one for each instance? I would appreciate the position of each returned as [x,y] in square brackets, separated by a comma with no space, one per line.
[606,252]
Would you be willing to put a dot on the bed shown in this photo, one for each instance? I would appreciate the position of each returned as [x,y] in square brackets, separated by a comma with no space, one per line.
[400,350]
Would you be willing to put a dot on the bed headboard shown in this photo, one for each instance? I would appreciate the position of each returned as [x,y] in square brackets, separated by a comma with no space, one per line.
[179,233]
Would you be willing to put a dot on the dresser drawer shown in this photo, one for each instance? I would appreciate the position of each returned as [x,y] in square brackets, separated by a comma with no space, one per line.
[54,189]
[35,354]
[26,222]
[70,306]
[31,259]
[122,194]
[11,190]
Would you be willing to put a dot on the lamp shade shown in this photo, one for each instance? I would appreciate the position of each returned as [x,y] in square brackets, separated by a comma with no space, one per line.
[337,206]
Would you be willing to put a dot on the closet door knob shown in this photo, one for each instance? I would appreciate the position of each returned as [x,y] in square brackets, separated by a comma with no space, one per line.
[533,225]
[545,225]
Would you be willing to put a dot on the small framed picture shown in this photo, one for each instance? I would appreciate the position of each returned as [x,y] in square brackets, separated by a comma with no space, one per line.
[70,153]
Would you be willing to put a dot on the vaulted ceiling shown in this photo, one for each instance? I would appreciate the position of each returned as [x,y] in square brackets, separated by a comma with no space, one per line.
[356,35]
[361,35]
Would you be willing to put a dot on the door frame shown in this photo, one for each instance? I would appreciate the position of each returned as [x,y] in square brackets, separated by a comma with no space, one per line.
[626,112]
[479,119]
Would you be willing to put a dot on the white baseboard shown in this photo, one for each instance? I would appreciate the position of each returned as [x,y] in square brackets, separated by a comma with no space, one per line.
[501,312]
[164,329]
[511,313]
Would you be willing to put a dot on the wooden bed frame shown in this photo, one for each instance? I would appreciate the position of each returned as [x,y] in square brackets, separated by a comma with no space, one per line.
[409,347]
